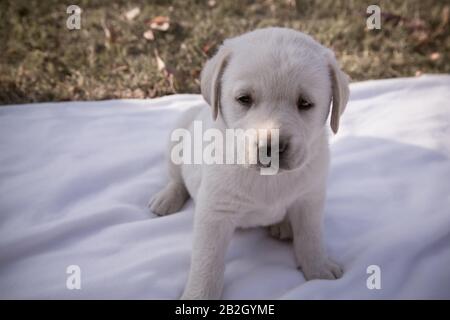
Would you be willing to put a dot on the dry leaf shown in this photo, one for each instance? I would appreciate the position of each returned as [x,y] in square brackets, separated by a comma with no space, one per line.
[160,23]
[442,28]
[160,64]
[207,47]
[120,68]
[421,36]
[435,56]
[110,35]
[445,15]
[166,71]
[149,35]
[138,93]
[133,13]
[106,31]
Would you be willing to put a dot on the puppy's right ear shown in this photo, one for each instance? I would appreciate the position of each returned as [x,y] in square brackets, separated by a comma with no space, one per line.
[211,79]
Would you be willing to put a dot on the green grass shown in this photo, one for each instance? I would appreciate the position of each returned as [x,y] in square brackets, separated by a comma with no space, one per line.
[41,60]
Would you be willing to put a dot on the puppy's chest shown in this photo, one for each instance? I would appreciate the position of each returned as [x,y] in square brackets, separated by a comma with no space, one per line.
[261,216]
[259,201]
[264,208]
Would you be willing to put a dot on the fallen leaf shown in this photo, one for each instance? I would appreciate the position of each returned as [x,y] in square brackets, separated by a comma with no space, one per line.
[207,47]
[149,35]
[166,71]
[421,36]
[110,34]
[161,23]
[120,68]
[106,31]
[138,93]
[445,15]
[442,28]
[435,56]
[133,13]
[160,64]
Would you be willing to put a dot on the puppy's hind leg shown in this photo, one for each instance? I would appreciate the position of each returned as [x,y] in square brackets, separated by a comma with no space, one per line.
[173,196]
[170,199]
[282,230]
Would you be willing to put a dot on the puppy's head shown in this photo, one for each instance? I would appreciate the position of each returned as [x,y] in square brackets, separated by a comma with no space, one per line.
[277,78]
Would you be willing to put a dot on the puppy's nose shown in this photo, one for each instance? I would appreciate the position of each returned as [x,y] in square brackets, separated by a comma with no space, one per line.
[282,148]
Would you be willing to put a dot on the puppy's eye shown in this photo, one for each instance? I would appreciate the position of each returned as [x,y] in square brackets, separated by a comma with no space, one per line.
[304,104]
[245,100]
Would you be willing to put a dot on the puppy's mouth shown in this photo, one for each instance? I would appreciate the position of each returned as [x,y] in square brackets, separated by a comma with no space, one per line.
[281,168]
[288,158]
[285,164]
[278,170]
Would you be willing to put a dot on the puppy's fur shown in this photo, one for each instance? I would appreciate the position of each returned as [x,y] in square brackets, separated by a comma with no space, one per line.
[275,66]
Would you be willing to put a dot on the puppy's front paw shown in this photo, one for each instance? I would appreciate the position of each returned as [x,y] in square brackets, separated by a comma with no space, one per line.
[323,269]
[281,230]
[168,200]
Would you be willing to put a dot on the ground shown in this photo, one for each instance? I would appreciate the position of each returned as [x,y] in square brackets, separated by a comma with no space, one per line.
[109,57]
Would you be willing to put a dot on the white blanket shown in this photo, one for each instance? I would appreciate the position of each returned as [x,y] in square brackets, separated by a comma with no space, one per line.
[75,178]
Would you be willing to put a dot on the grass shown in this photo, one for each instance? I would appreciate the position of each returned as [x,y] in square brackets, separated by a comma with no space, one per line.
[41,60]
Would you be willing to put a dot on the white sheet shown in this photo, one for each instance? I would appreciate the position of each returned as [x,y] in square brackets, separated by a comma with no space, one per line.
[75,178]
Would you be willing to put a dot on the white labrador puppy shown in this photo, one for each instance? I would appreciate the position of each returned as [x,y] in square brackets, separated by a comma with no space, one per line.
[277,78]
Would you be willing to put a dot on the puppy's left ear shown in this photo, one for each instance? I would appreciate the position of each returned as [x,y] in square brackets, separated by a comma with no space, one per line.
[211,78]
[340,91]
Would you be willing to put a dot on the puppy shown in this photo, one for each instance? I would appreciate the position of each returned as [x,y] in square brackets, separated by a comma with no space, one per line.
[271,78]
